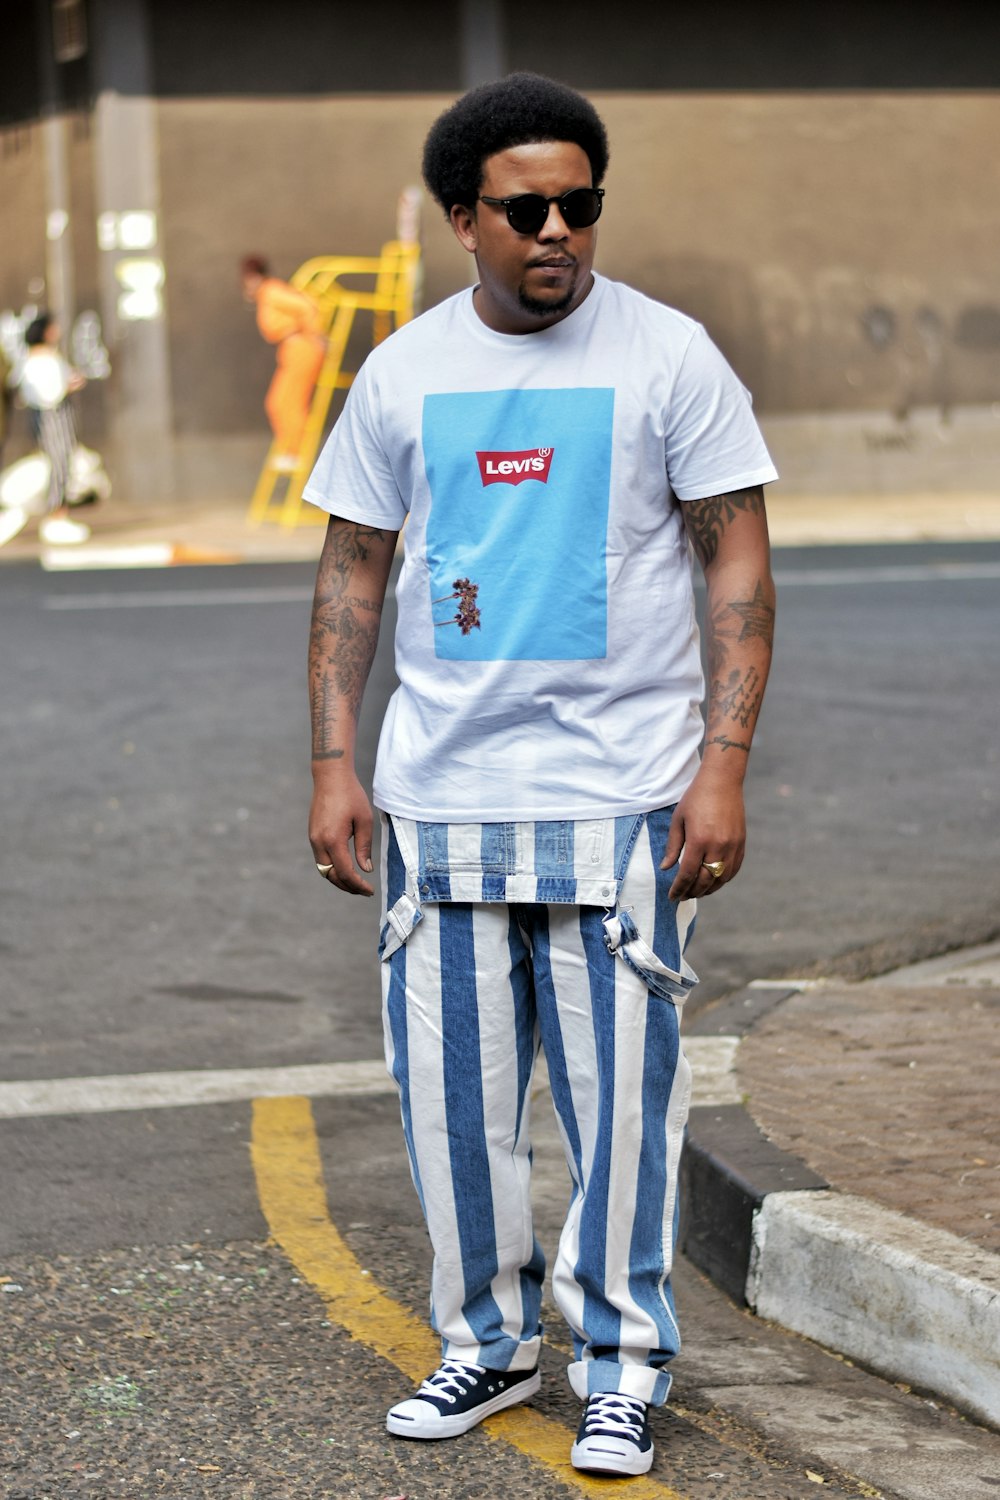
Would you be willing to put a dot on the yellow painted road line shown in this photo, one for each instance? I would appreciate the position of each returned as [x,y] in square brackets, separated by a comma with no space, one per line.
[289,1173]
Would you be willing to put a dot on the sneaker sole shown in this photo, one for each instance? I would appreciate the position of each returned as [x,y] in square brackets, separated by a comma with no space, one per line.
[593,1461]
[447,1427]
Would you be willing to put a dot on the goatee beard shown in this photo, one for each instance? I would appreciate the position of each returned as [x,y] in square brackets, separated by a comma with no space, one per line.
[540,308]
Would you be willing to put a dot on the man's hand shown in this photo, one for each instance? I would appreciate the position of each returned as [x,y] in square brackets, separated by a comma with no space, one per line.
[341,812]
[709,825]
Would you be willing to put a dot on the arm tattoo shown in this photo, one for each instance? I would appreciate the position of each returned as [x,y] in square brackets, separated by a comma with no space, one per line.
[727,744]
[343,637]
[706,520]
[738,699]
[739,638]
[346,543]
[757,616]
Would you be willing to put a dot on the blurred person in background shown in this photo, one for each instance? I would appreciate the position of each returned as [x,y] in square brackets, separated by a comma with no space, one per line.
[291,320]
[46,383]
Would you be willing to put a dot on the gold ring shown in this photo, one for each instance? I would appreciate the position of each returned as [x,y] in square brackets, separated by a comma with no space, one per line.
[324,870]
[717,867]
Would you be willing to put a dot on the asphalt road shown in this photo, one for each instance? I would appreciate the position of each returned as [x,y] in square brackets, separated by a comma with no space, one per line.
[160,903]
[159,912]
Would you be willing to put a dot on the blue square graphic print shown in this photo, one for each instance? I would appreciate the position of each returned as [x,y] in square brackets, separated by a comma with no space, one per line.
[520,485]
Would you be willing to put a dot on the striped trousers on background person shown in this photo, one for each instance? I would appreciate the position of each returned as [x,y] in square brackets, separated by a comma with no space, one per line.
[55,434]
[471,988]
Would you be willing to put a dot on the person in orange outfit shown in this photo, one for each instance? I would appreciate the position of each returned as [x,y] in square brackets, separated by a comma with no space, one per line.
[291,320]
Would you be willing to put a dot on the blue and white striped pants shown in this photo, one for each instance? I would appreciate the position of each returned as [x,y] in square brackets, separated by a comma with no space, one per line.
[470,991]
[55,433]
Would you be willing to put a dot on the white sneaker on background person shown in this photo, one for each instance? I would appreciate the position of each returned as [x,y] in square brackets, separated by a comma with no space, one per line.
[11,522]
[61,531]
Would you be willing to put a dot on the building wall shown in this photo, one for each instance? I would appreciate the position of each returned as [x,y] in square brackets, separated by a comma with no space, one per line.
[840,248]
[22,223]
[820,188]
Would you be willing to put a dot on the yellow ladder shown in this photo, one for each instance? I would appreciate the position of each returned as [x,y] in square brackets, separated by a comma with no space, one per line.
[390,301]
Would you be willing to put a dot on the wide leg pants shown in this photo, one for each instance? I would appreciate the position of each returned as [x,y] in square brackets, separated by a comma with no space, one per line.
[55,433]
[468,999]
[299,362]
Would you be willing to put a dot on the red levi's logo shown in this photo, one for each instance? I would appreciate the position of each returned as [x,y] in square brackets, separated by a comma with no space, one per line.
[512,468]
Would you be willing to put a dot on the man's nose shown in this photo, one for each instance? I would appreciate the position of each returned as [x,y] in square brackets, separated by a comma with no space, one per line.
[555,226]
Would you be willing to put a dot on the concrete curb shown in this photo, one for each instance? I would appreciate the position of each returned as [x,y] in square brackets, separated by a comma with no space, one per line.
[913,1303]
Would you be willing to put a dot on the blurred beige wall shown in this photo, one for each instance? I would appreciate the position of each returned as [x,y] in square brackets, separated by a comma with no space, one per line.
[842,249]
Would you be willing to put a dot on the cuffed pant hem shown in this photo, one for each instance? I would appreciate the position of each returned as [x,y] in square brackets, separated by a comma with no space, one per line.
[592,1375]
[495,1356]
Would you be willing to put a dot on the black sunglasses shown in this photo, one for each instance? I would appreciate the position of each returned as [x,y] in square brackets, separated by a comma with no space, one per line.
[526,213]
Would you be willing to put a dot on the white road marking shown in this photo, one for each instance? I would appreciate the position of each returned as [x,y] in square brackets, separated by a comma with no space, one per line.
[713,1065]
[942,572]
[142,555]
[710,1057]
[84,1096]
[164,598]
[784,984]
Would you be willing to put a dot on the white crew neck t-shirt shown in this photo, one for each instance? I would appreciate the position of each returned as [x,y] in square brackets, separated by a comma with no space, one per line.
[546,646]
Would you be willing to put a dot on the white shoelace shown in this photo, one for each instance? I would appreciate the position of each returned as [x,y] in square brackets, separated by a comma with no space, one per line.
[622,1415]
[446,1383]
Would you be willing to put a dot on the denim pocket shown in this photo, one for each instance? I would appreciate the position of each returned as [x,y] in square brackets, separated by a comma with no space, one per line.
[622,937]
[400,921]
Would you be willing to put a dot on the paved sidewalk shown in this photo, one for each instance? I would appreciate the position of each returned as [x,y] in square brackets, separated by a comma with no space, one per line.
[853,1190]
[126,534]
[890,1090]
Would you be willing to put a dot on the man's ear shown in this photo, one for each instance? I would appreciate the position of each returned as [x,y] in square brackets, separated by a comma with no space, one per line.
[463,221]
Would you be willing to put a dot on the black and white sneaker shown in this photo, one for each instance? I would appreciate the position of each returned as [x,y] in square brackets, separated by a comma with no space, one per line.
[614,1436]
[456,1397]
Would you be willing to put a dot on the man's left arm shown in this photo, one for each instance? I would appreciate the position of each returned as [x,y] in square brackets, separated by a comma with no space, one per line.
[729,535]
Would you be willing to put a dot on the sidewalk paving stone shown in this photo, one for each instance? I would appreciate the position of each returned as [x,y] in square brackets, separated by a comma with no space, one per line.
[886,1091]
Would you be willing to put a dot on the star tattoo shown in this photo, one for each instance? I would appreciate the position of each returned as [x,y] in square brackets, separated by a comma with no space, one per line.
[757,616]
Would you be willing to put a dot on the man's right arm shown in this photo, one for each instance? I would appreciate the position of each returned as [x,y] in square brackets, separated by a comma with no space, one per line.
[347,607]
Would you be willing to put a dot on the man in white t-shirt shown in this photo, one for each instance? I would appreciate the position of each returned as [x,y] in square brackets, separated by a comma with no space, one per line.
[558,445]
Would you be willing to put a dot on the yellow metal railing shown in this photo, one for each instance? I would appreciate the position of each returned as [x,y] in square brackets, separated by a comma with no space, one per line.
[389,297]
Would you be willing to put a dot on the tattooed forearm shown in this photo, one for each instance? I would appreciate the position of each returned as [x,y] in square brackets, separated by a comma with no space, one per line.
[757,616]
[347,543]
[738,698]
[729,535]
[341,653]
[739,637]
[343,636]
[706,520]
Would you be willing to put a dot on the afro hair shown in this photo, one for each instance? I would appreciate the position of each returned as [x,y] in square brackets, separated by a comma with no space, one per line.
[516,110]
